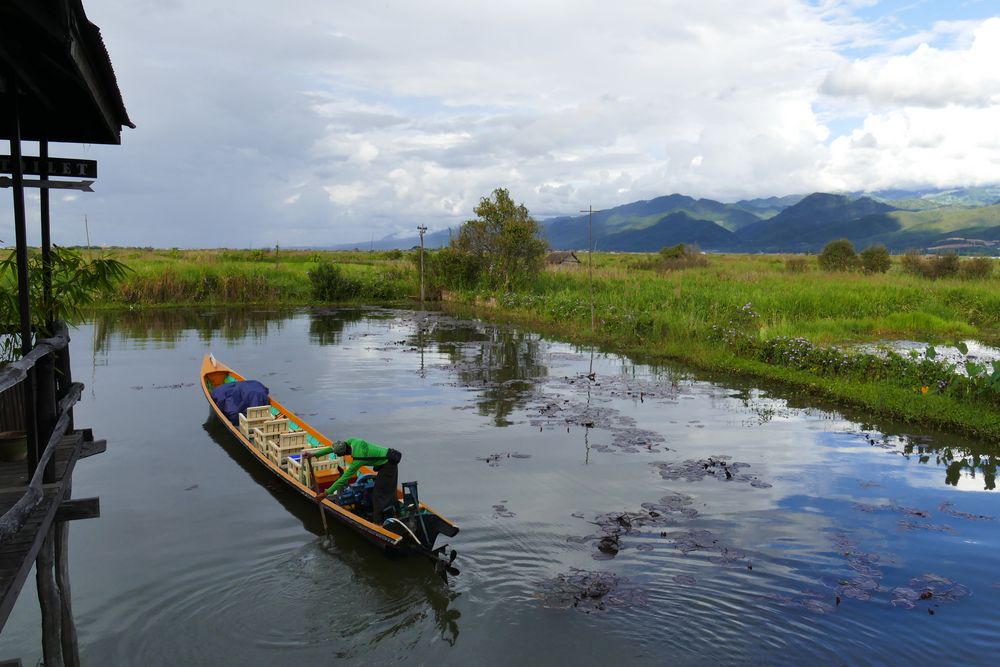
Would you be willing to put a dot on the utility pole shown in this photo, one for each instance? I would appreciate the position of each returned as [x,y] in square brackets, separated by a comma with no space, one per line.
[421,230]
[590,261]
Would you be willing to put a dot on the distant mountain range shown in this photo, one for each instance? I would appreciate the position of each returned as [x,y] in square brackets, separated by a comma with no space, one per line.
[966,219]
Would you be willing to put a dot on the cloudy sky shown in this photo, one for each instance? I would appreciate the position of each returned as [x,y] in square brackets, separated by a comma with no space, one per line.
[318,122]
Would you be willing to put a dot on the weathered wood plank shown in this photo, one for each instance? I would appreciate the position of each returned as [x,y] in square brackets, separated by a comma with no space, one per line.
[13,576]
[18,371]
[18,554]
[11,521]
[79,508]
[93,447]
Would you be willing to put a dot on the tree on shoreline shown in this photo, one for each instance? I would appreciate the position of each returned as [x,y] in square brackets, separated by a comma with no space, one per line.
[504,241]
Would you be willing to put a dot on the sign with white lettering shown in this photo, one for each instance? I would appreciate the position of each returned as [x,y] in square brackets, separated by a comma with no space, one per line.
[57,166]
[7,181]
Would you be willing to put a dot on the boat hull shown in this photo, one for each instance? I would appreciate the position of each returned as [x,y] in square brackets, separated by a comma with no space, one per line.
[214,372]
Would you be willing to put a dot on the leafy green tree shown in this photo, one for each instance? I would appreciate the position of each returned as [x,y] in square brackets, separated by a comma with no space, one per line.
[76,283]
[875,259]
[504,241]
[838,255]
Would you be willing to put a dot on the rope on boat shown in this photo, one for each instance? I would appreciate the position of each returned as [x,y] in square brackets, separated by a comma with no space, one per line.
[406,528]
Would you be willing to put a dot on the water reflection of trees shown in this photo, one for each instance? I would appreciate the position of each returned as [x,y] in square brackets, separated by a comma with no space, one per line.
[503,365]
[957,461]
[327,327]
[168,326]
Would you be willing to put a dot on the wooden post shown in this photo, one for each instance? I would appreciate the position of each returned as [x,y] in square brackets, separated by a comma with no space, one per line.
[422,229]
[64,373]
[43,193]
[70,643]
[590,262]
[23,296]
[48,600]
[46,408]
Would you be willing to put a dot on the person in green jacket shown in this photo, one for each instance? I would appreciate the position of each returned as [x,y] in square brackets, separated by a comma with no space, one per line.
[362,452]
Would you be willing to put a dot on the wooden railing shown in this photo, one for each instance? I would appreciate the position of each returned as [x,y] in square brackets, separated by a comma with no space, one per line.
[49,397]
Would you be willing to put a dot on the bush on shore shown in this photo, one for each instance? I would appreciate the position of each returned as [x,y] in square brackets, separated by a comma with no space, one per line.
[875,259]
[838,255]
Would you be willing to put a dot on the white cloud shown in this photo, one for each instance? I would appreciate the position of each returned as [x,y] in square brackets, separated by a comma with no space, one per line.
[377,117]
[932,116]
[928,76]
[346,193]
[915,147]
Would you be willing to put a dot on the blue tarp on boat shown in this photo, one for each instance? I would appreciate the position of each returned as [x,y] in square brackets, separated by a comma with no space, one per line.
[235,397]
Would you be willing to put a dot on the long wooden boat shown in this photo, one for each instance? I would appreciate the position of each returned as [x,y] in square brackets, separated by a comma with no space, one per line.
[414,529]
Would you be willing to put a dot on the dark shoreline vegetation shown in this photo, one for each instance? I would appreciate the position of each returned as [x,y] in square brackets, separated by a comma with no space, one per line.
[772,317]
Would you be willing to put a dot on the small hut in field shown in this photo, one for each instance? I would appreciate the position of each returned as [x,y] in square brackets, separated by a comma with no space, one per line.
[561,259]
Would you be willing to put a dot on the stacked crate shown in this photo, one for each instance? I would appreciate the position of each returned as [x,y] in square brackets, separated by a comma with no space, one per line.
[253,418]
[324,467]
[284,445]
[269,430]
[258,440]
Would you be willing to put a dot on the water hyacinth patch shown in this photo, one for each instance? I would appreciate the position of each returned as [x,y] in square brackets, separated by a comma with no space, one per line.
[923,373]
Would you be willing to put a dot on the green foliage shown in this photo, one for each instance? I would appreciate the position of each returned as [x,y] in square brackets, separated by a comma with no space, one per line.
[679,257]
[448,268]
[796,264]
[913,263]
[838,255]
[875,259]
[946,265]
[673,258]
[77,282]
[933,267]
[977,268]
[330,284]
[504,240]
[678,251]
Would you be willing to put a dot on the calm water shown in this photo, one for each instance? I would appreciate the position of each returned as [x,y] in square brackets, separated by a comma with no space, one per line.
[601,520]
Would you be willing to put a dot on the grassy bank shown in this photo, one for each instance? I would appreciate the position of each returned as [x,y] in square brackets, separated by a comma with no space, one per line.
[742,314]
[274,276]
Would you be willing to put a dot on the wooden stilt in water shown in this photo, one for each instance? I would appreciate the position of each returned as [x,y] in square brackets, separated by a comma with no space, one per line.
[48,600]
[70,644]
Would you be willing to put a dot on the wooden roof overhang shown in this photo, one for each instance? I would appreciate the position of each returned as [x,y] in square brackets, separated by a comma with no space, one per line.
[68,90]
